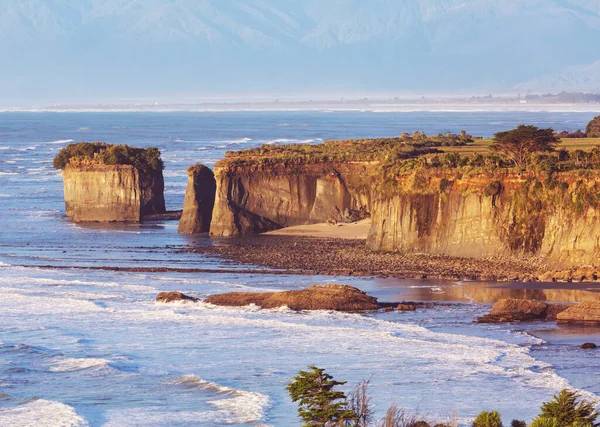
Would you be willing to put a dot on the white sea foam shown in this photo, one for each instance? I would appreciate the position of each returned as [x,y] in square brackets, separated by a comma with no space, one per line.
[62,141]
[8,173]
[70,365]
[235,141]
[15,303]
[3,264]
[289,141]
[41,413]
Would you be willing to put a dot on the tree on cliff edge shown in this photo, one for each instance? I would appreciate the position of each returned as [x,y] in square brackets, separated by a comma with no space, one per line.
[593,128]
[319,404]
[518,144]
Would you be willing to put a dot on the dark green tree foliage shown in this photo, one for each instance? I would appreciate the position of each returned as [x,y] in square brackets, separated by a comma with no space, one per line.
[567,410]
[146,160]
[593,128]
[518,144]
[518,423]
[488,419]
[319,404]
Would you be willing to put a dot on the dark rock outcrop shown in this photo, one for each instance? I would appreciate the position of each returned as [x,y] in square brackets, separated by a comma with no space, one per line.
[328,297]
[518,310]
[412,306]
[587,312]
[199,200]
[175,296]
[588,346]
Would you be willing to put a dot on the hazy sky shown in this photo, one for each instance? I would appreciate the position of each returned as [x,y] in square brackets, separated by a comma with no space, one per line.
[58,51]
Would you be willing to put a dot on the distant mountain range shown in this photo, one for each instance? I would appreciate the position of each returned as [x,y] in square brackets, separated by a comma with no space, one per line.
[56,50]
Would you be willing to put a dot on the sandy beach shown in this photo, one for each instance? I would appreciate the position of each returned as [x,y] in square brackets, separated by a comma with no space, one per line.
[356,230]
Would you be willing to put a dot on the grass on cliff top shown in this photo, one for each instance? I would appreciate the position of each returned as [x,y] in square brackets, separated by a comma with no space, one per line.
[146,160]
[361,150]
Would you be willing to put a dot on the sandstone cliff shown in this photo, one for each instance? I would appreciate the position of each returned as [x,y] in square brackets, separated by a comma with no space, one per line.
[255,201]
[199,200]
[111,193]
[486,216]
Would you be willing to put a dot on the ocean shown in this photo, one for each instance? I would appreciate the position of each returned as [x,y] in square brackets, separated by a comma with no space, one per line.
[91,347]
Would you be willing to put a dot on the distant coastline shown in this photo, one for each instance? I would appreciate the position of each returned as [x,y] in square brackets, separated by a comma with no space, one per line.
[382,104]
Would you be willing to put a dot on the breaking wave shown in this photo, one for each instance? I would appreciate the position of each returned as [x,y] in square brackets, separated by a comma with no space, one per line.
[235,406]
[72,364]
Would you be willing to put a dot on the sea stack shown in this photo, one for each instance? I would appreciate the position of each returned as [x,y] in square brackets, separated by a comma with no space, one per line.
[199,200]
[111,183]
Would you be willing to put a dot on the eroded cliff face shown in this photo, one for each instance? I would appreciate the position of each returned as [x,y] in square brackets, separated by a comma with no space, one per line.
[262,200]
[199,201]
[508,215]
[103,193]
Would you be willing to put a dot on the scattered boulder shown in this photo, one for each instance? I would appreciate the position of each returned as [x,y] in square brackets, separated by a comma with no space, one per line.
[329,297]
[588,346]
[519,310]
[406,307]
[174,297]
[587,312]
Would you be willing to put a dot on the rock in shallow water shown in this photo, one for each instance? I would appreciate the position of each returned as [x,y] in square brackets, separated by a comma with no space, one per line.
[588,346]
[328,297]
[174,297]
[518,310]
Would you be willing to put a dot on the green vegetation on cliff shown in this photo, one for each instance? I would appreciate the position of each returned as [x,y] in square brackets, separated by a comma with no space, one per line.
[146,160]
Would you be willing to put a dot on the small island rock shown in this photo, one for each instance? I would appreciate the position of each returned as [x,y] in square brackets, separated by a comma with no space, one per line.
[588,346]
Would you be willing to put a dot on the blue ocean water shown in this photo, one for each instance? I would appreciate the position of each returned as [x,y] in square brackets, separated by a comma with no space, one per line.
[90,347]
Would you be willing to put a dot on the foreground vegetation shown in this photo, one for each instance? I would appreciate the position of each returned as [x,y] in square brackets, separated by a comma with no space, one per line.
[146,160]
[321,404]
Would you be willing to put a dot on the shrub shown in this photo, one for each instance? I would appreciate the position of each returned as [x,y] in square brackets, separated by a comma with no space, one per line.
[518,423]
[488,419]
[545,422]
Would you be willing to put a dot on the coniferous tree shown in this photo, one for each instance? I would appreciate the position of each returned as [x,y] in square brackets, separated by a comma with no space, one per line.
[319,404]
[567,410]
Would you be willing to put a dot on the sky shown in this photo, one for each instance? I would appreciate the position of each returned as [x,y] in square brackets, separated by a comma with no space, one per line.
[121,51]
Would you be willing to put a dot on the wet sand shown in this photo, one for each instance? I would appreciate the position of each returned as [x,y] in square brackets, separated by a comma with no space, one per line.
[350,257]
